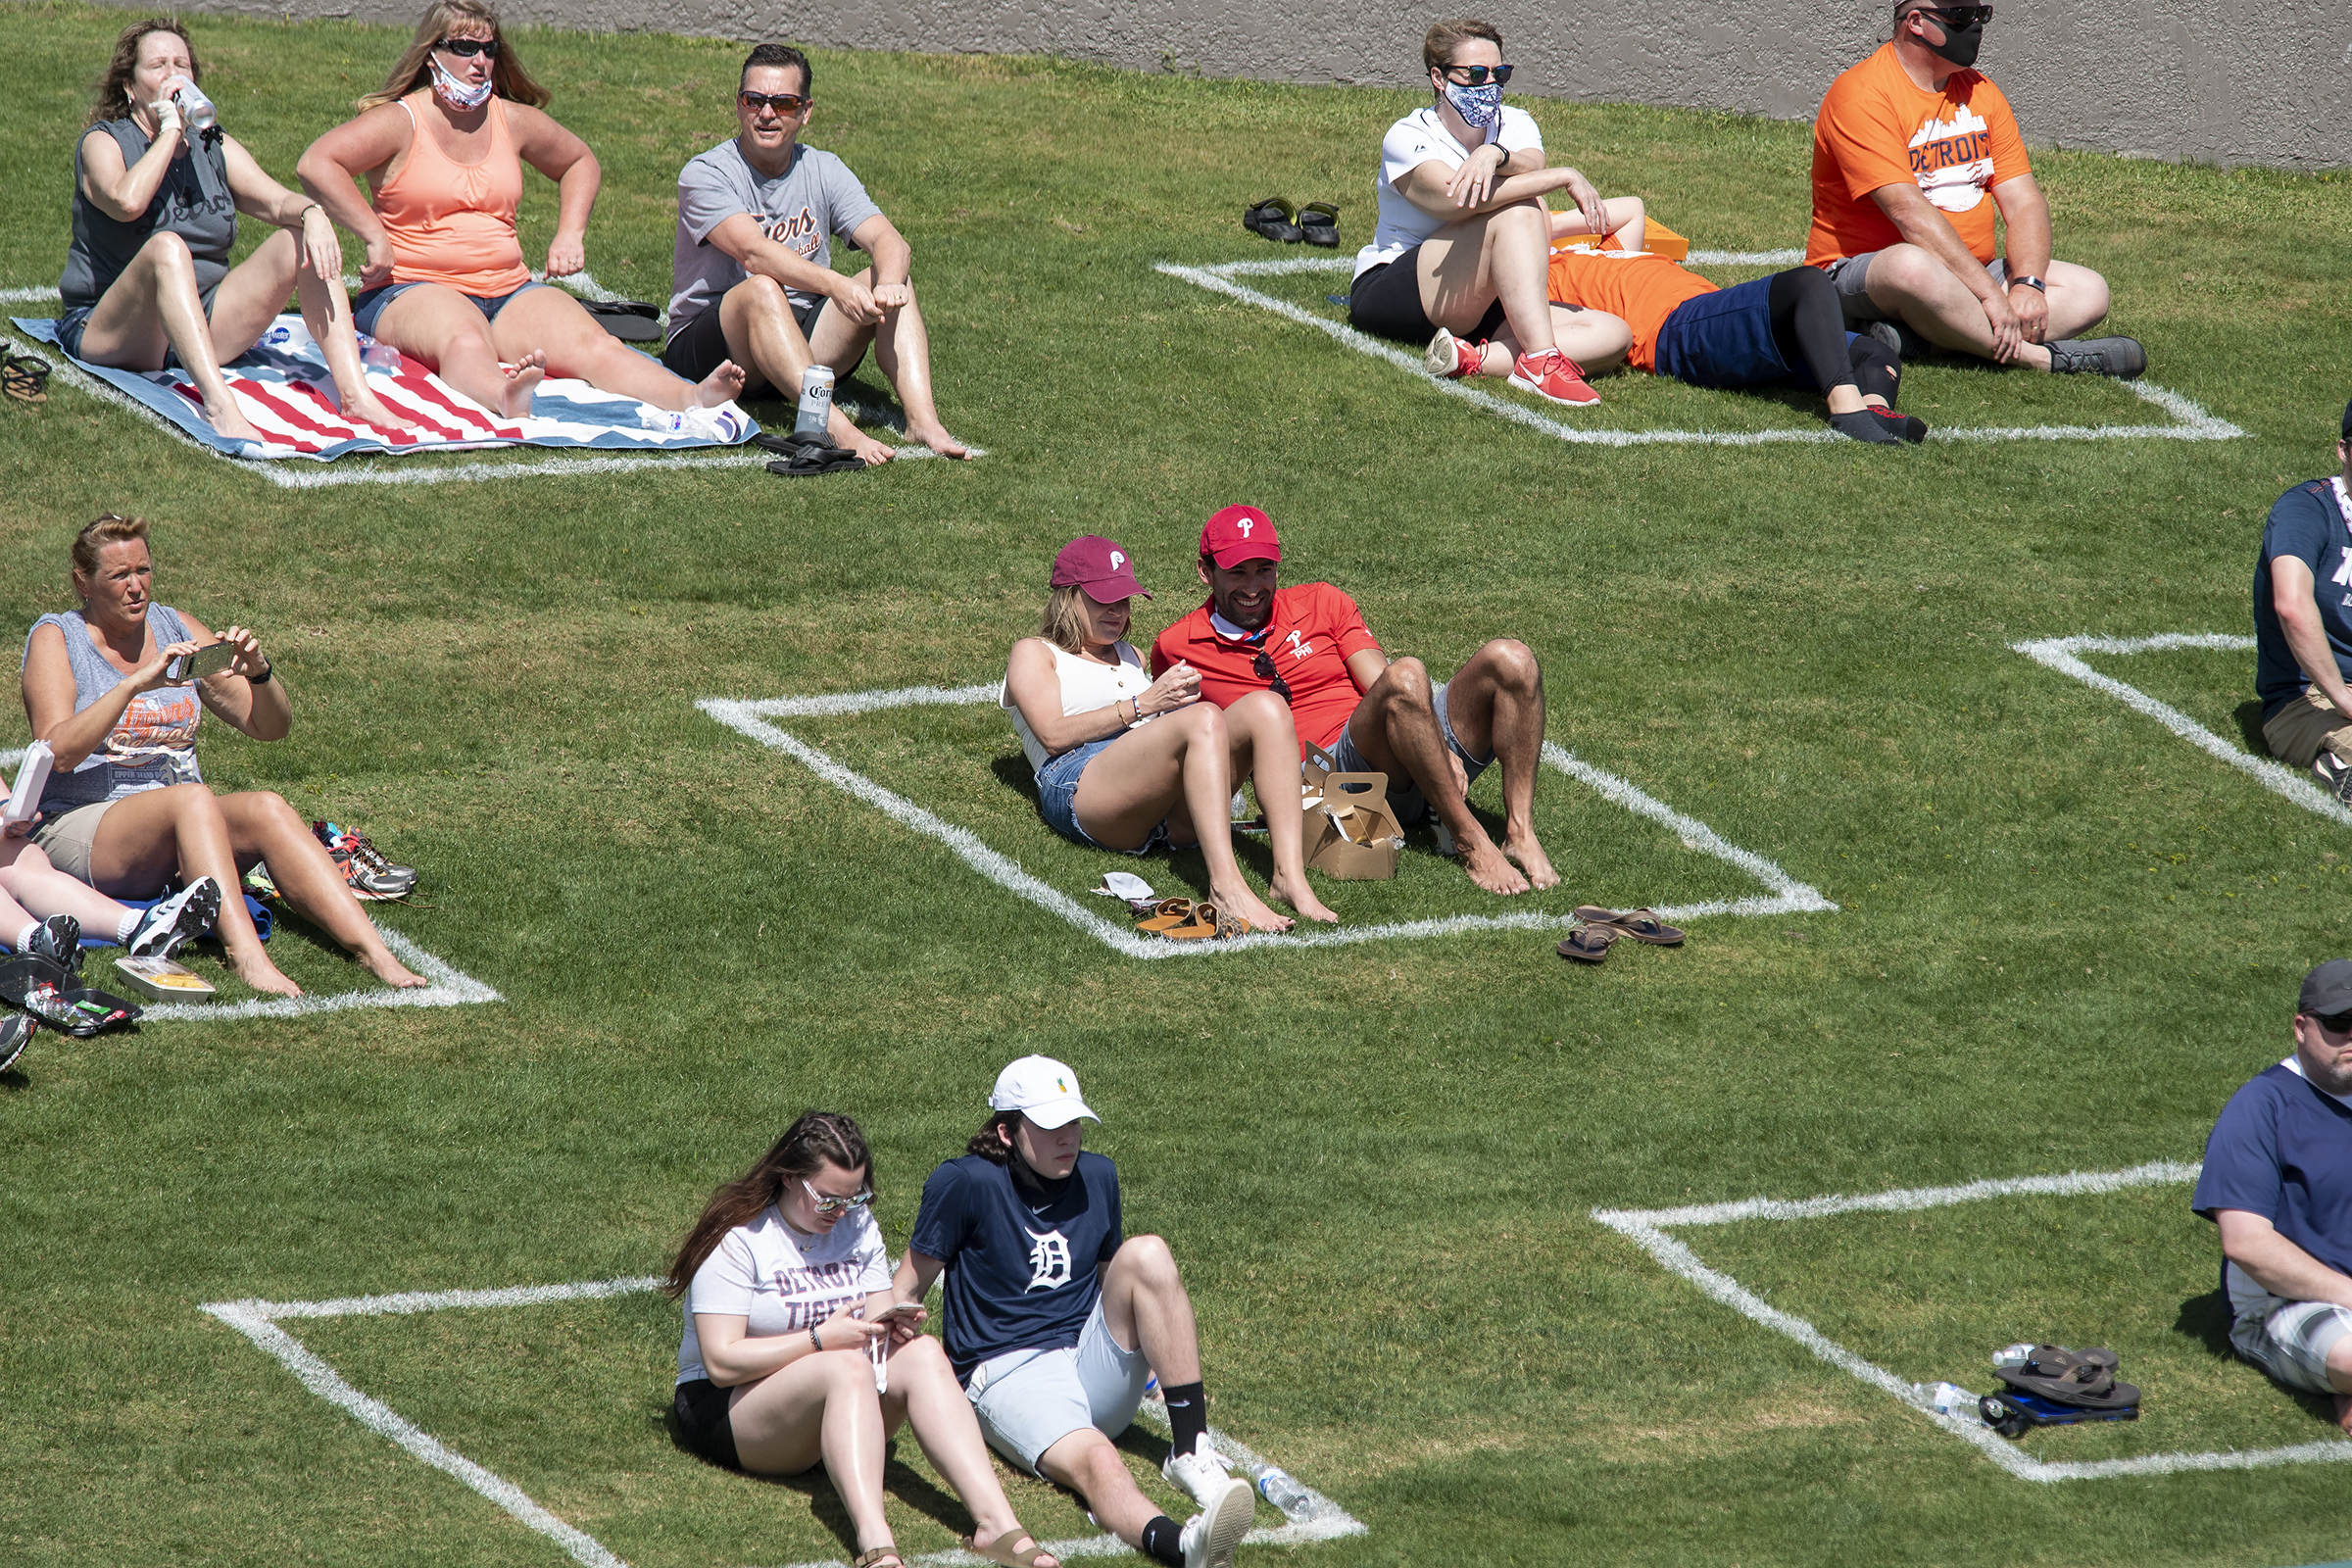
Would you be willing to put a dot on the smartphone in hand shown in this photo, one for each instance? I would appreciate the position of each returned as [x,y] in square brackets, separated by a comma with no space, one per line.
[210,660]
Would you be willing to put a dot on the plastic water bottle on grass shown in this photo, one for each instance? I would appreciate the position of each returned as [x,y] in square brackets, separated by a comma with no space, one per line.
[1948,1398]
[1277,1488]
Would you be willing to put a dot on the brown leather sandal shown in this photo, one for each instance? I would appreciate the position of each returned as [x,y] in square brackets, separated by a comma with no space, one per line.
[1003,1550]
[1166,916]
[1204,923]
[876,1556]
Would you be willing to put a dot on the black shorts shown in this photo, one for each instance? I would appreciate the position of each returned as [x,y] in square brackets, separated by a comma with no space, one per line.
[702,1410]
[697,351]
[1385,302]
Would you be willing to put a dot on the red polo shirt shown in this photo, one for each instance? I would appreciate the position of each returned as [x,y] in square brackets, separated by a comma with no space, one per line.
[1315,629]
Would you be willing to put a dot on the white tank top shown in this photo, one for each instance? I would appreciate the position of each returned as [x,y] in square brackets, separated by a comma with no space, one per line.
[1085,687]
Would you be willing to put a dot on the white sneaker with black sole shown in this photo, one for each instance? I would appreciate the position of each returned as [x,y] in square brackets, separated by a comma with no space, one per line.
[16,1033]
[1211,1535]
[1200,1475]
[2334,774]
[178,919]
[59,940]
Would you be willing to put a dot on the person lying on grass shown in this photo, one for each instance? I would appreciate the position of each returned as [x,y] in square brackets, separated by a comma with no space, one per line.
[1309,646]
[148,284]
[443,144]
[2277,1183]
[1056,1318]
[1463,233]
[789,1358]
[1127,763]
[1786,328]
[44,912]
[753,270]
[127,809]
[2303,626]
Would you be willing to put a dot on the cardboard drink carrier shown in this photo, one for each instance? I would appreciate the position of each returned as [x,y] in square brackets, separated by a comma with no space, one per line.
[1351,834]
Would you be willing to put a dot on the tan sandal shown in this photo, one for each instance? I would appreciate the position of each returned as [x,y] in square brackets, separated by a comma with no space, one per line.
[1002,1550]
[1204,923]
[1167,914]
[876,1556]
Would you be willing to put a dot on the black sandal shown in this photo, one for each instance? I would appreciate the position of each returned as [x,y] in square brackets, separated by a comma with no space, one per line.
[1272,217]
[1319,224]
[25,377]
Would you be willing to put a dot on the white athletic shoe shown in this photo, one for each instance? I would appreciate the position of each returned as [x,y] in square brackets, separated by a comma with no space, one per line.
[1200,1475]
[180,918]
[1210,1536]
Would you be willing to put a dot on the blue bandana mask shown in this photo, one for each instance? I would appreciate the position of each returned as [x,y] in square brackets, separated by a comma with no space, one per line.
[1481,107]
[459,95]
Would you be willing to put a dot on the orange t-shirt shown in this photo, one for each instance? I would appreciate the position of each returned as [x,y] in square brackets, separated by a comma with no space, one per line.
[1877,129]
[1313,631]
[1641,288]
[453,223]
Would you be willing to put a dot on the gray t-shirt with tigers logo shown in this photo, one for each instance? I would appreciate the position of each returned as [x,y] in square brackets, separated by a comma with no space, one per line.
[816,198]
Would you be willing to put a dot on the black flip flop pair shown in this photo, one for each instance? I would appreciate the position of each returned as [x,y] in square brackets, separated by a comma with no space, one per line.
[25,376]
[1273,218]
[2082,1378]
[1589,943]
[804,457]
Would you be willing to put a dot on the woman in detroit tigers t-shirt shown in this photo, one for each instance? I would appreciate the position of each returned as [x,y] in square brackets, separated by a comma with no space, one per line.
[785,1280]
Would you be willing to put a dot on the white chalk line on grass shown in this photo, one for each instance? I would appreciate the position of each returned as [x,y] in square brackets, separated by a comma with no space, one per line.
[2192,423]
[2063,655]
[257,1321]
[752,720]
[1647,1229]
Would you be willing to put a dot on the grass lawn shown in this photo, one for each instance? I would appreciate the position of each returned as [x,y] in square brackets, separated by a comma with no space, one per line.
[2063,936]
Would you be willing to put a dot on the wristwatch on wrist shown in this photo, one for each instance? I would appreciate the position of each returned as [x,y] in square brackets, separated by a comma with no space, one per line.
[2029,280]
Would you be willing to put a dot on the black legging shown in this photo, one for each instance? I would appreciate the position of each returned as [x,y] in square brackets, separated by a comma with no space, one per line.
[1809,325]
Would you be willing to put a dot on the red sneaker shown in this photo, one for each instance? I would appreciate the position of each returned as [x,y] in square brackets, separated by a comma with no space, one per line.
[1451,358]
[1555,375]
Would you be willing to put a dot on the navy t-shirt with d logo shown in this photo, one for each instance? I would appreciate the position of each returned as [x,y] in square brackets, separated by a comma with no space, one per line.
[1023,1267]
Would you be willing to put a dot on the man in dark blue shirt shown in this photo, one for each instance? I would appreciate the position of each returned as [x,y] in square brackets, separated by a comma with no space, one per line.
[1055,1320]
[2303,626]
[2278,1180]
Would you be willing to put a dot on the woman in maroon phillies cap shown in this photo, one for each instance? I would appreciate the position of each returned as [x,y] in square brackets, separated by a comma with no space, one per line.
[1127,763]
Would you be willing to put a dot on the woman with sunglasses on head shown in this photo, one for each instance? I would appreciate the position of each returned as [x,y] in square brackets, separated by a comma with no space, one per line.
[796,1353]
[444,281]
[1127,763]
[148,284]
[1457,263]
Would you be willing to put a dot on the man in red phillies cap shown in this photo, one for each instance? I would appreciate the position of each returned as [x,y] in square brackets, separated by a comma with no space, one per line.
[1308,645]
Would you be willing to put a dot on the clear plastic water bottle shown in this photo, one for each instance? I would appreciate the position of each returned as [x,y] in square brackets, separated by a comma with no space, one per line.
[1277,1488]
[196,111]
[2013,1357]
[816,403]
[382,357]
[1948,1398]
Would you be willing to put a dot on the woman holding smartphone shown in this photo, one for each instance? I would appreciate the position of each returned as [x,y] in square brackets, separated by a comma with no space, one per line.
[127,809]
[796,1353]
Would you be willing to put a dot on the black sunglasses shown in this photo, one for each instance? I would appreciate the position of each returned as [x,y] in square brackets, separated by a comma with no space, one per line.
[1262,666]
[2335,1024]
[467,48]
[783,103]
[1477,75]
[1958,16]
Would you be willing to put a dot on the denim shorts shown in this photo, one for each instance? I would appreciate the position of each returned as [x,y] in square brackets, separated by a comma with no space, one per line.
[70,325]
[1404,796]
[367,306]
[1057,798]
[1028,1400]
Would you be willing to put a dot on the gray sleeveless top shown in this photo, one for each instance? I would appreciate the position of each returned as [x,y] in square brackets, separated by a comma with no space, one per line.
[151,746]
[193,202]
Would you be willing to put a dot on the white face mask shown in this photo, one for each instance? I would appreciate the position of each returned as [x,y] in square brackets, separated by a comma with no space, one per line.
[458,94]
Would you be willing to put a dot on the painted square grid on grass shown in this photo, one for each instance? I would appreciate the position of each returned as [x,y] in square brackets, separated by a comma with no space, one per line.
[259,1321]
[451,987]
[1649,1228]
[2187,422]
[753,719]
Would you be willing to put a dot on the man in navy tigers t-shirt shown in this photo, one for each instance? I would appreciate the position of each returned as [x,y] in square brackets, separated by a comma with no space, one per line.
[2303,626]
[1056,1318]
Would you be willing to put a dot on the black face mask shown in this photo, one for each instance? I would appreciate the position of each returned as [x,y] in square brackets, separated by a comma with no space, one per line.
[1960,44]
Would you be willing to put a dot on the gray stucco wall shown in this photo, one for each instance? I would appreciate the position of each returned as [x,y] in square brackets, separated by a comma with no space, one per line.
[2227,82]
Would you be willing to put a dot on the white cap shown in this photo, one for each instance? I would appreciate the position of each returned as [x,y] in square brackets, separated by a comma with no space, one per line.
[1042,1090]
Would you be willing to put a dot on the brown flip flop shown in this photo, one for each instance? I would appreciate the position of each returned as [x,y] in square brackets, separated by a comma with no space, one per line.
[1203,923]
[1589,944]
[1642,925]
[1166,916]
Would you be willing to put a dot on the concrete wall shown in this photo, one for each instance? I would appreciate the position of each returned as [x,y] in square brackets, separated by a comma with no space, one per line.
[2227,82]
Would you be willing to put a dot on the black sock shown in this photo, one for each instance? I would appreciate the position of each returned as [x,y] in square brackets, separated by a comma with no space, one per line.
[1163,1539]
[1187,1416]
[1869,427]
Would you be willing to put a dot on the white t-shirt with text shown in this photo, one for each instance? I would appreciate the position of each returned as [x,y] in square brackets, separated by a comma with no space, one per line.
[1421,137]
[783,1281]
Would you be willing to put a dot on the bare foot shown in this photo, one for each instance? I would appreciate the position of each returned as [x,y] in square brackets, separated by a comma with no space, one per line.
[1302,898]
[366,408]
[1528,855]
[522,384]
[231,422]
[720,386]
[1488,868]
[1246,904]
[938,441]
[385,968]
[2343,1411]
[257,971]
[872,450]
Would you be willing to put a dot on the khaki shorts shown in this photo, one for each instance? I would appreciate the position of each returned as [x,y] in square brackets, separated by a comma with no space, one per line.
[2296,733]
[66,840]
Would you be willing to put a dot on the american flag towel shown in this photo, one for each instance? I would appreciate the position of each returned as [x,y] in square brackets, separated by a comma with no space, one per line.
[284,389]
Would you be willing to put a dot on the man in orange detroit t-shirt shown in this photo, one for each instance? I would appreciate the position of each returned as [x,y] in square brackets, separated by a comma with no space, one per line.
[1308,646]
[1908,145]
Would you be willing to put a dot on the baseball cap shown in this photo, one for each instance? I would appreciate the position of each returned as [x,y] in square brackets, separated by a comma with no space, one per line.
[2328,989]
[1238,534]
[1045,1091]
[1099,565]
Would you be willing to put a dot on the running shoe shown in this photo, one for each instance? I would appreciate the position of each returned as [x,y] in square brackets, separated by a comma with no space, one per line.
[364,871]
[1555,375]
[2118,357]
[1201,1475]
[1453,357]
[59,940]
[1211,1535]
[17,1029]
[1890,336]
[2334,774]
[177,920]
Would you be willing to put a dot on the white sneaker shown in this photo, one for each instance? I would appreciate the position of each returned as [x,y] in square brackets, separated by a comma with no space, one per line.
[1200,1475]
[1210,1536]
[180,918]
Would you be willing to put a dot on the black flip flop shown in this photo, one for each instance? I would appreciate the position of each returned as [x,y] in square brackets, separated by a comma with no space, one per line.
[809,461]
[630,321]
[1319,224]
[25,377]
[2082,1378]
[1588,944]
[1272,217]
[1640,924]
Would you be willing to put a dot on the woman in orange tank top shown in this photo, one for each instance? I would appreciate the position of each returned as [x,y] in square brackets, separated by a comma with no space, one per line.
[445,280]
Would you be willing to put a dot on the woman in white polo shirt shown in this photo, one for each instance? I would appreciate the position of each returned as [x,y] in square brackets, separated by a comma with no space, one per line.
[1458,261]
[794,1353]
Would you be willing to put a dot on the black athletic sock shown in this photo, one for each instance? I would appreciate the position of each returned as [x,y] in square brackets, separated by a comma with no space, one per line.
[1869,427]
[1809,325]
[1163,1539]
[1187,1416]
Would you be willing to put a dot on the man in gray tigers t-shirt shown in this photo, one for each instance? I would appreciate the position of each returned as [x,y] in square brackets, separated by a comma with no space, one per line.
[752,276]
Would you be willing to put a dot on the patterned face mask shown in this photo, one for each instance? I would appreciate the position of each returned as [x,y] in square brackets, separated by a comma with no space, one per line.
[458,95]
[1481,107]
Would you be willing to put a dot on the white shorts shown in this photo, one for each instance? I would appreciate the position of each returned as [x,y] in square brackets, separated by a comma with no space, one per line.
[2291,1341]
[1028,1400]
